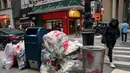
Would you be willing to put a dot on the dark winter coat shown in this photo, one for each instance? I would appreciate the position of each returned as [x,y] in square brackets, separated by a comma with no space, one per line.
[78,28]
[112,33]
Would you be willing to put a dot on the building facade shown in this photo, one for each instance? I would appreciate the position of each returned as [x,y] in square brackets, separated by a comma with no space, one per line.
[63,15]
[6,16]
[115,9]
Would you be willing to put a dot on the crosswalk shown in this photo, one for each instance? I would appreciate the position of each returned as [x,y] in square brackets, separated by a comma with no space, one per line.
[119,71]
[121,57]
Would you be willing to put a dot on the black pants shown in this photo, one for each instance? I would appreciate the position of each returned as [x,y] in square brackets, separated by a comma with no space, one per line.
[110,45]
[123,36]
[78,34]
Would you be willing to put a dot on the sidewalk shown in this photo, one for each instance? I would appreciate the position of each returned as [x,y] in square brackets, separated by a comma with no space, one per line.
[121,56]
[106,69]
[97,41]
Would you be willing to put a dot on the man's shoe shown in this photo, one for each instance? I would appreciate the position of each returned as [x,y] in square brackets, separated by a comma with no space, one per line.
[112,65]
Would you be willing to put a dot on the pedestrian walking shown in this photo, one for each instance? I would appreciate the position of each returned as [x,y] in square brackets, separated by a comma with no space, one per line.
[111,34]
[78,30]
[124,30]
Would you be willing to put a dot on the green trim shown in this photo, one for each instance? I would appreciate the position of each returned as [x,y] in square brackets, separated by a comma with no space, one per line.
[60,4]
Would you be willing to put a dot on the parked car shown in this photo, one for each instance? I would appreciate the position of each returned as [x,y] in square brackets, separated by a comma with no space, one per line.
[8,35]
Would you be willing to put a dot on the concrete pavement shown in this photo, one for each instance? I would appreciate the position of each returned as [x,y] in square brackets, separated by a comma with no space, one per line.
[97,42]
[121,52]
[119,71]
[106,69]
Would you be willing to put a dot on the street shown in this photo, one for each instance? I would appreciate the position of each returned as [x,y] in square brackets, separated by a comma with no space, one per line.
[121,57]
[121,52]
[30,20]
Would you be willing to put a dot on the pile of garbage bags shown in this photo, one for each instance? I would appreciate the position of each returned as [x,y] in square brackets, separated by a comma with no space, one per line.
[14,53]
[59,54]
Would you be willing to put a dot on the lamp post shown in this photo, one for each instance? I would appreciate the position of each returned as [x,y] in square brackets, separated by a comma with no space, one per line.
[88,31]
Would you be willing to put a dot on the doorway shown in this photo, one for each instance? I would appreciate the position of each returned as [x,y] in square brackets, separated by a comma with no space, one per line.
[72,27]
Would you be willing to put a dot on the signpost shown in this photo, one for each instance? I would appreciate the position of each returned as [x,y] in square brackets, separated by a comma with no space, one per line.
[88,32]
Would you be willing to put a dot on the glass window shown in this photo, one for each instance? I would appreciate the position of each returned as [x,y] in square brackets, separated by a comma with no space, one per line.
[54,24]
[0,4]
[5,3]
[49,25]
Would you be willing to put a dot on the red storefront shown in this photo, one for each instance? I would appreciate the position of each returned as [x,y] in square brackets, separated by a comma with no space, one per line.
[61,20]
[63,15]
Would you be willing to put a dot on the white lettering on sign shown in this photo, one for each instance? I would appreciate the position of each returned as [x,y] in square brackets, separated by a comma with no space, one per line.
[50,1]
[49,7]
[52,7]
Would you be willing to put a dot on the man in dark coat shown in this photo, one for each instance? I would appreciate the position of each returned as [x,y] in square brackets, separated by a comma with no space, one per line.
[78,30]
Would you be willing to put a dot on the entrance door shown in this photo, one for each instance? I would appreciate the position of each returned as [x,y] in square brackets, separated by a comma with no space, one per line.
[72,27]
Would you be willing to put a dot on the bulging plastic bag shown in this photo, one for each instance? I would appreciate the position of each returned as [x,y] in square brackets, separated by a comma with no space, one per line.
[6,64]
[55,45]
[8,61]
[60,54]
[13,53]
[72,47]
[20,54]
[71,66]
[9,52]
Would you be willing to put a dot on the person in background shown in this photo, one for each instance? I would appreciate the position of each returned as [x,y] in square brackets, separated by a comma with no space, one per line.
[124,30]
[78,30]
[111,34]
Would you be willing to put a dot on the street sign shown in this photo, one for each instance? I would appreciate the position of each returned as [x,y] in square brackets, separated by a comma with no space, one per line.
[97,16]
[74,13]
[102,10]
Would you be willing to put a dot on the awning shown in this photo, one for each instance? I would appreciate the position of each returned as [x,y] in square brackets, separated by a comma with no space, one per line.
[24,18]
[2,17]
[58,9]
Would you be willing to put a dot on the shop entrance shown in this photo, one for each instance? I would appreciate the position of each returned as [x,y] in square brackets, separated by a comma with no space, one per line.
[72,27]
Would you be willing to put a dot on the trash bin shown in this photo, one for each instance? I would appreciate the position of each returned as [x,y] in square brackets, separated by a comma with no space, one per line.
[88,38]
[33,41]
[93,59]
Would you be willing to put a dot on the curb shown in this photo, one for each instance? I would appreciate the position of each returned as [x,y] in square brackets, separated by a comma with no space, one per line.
[119,71]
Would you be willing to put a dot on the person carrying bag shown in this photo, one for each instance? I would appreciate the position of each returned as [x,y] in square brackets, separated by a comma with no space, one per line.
[111,34]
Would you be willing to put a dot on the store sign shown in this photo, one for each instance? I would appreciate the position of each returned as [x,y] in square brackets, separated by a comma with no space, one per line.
[83,2]
[74,13]
[97,16]
[102,10]
[50,1]
[56,4]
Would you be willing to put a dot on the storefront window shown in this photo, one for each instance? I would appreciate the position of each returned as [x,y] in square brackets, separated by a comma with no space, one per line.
[54,24]
[48,25]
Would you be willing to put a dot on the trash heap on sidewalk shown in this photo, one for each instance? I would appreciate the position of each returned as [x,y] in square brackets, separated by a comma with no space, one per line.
[13,54]
[59,54]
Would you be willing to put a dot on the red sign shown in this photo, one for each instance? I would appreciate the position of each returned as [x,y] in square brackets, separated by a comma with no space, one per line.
[97,16]
[83,2]
[102,10]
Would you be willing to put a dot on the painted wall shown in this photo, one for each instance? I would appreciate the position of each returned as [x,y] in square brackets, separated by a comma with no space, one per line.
[107,5]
